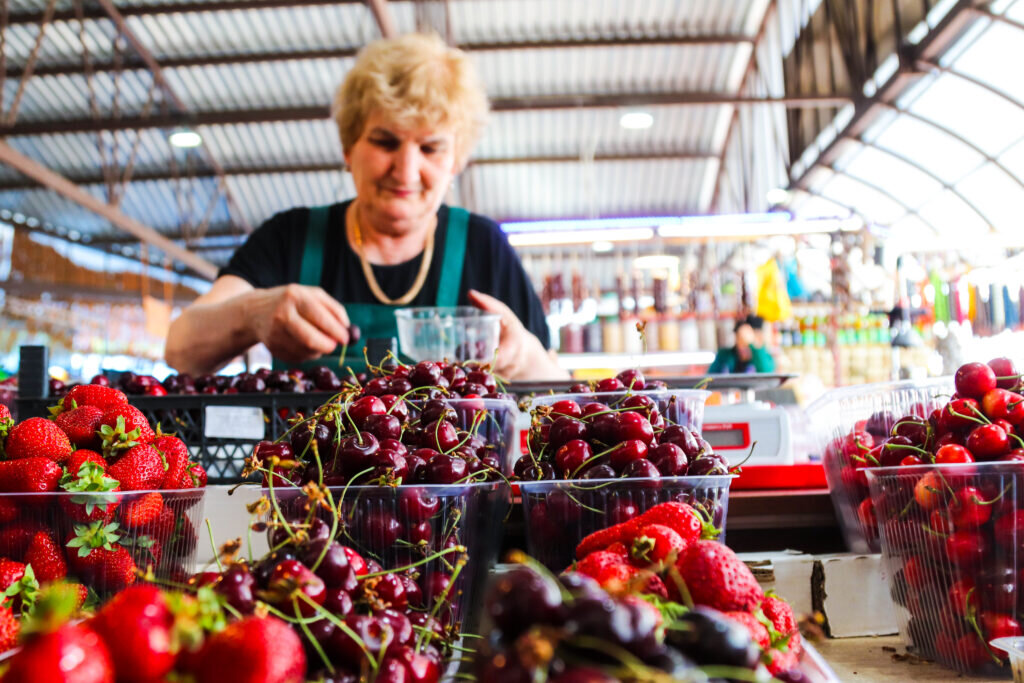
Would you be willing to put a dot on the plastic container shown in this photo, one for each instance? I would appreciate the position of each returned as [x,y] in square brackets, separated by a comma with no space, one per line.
[167,544]
[678,406]
[873,408]
[952,538]
[1014,648]
[397,526]
[559,514]
[457,333]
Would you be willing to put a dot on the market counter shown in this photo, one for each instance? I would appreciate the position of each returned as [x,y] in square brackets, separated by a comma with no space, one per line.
[882,660]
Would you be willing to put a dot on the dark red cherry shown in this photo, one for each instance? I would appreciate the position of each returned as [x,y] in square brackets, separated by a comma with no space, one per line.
[566,407]
[571,456]
[442,436]
[445,469]
[609,384]
[631,379]
[630,425]
[566,429]
[425,374]
[383,426]
[293,575]
[415,504]
[669,458]
[626,452]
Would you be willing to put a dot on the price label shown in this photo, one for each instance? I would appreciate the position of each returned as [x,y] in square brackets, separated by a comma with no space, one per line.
[234,422]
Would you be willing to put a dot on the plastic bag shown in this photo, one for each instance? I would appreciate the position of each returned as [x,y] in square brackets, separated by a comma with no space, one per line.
[773,302]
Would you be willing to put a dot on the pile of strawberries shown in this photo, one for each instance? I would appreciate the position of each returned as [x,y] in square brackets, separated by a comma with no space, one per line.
[93,493]
[147,634]
[668,552]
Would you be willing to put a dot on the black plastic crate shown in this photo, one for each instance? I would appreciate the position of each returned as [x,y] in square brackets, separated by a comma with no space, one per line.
[220,439]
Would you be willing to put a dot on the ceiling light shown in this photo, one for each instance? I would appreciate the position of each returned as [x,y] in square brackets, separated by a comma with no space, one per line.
[636,120]
[745,229]
[580,236]
[777,195]
[74,235]
[602,246]
[185,138]
[656,262]
[5,214]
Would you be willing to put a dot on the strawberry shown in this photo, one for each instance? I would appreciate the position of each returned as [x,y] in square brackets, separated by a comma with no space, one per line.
[184,539]
[81,456]
[146,550]
[81,425]
[194,477]
[37,437]
[175,453]
[143,511]
[71,653]
[252,650]
[10,572]
[9,510]
[780,614]
[136,626]
[98,558]
[614,572]
[122,427]
[6,422]
[163,527]
[29,475]
[93,395]
[46,558]
[140,469]
[717,578]
[679,517]
[10,627]
[754,627]
[781,661]
[15,537]
[18,581]
[5,414]
[95,499]
[601,539]
[655,543]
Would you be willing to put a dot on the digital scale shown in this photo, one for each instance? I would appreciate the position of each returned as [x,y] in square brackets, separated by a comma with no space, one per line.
[733,429]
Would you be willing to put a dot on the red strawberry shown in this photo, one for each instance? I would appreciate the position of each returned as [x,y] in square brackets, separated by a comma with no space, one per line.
[717,578]
[81,594]
[122,427]
[15,537]
[95,555]
[163,527]
[94,395]
[46,558]
[780,614]
[679,517]
[140,469]
[614,572]
[6,422]
[194,477]
[184,539]
[18,582]
[175,453]
[5,413]
[136,626]
[37,437]
[143,511]
[29,475]
[72,653]
[10,510]
[781,661]
[94,499]
[601,539]
[757,630]
[655,543]
[147,551]
[10,573]
[618,549]
[252,650]
[80,457]
[10,627]
[81,425]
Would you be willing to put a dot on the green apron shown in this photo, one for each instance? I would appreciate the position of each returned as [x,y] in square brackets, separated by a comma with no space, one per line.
[377,321]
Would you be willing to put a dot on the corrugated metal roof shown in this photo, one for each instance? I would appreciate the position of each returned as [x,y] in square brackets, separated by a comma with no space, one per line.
[684,145]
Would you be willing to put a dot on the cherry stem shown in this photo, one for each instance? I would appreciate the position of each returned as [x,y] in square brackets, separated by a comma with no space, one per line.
[967,417]
[309,635]
[907,447]
[216,553]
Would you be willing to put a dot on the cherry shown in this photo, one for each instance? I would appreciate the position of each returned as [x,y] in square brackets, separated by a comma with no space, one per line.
[445,469]
[356,453]
[579,388]
[952,454]
[974,380]
[562,508]
[541,471]
[604,428]
[642,404]
[385,591]
[567,408]
[1015,455]
[910,461]
[961,413]
[237,585]
[641,469]
[416,505]
[425,374]
[669,458]
[442,436]
[682,437]
[867,518]
[419,532]
[334,569]
[966,549]
[949,438]
[1009,531]
[891,451]
[394,405]
[317,529]
[382,426]
[598,472]
[521,599]
[413,592]
[707,465]
[609,384]
[999,626]
[913,428]
[626,452]
[355,560]
[630,425]
[1005,371]
[630,379]
[622,511]
[338,601]
[291,575]
[371,633]
[566,429]
[379,528]
[419,668]
[571,456]
[988,442]
[435,584]
[593,408]
[438,409]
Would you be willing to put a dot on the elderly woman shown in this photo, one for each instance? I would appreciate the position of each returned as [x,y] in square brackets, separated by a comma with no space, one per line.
[408,114]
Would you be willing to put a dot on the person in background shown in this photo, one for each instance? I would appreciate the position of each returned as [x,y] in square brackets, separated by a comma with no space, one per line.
[408,114]
[748,355]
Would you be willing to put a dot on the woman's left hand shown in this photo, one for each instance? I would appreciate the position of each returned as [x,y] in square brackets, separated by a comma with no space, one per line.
[520,354]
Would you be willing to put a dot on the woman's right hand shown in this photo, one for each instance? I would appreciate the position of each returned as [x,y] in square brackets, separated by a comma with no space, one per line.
[296,322]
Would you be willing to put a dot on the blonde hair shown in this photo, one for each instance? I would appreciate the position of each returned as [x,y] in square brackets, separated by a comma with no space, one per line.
[417,81]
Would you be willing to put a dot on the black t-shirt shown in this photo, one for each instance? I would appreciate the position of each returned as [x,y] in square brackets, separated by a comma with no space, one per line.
[272,256]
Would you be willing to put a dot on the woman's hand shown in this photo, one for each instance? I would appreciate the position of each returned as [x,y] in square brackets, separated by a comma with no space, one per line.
[520,353]
[297,323]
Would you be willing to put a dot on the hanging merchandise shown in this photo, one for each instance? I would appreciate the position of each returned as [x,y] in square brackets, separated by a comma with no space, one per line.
[794,283]
[773,302]
[941,299]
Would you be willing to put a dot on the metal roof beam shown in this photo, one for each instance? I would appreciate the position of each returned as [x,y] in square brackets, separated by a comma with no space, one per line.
[347,52]
[210,174]
[500,104]
[907,208]
[382,15]
[65,187]
[94,12]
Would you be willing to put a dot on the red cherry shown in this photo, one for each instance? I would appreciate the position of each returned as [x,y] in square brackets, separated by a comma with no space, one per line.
[571,456]
[974,380]
[609,384]
[940,522]
[566,407]
[1016,455]
[593,408]
[631,425]
[987,442]
[966,549]
[951,454]
[631,379]
[669,458]
[995,625]
[1005,371]
[962,595]
[971,508]
[292,574]
[866,515]
[626,452]
[961,413]
[566,429]
[910,461]
[442,435]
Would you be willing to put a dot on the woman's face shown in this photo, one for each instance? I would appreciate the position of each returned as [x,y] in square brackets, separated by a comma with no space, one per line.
[401,175]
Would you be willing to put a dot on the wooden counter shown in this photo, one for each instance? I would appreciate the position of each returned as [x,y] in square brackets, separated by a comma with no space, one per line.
[883,660]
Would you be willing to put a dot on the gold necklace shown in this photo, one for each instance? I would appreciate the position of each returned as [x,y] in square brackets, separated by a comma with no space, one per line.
[421,277]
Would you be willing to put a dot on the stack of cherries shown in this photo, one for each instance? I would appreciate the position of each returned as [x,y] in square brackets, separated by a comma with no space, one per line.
[615,430]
